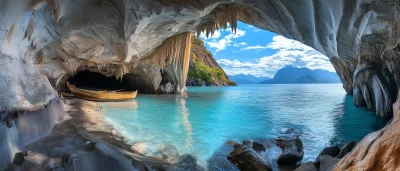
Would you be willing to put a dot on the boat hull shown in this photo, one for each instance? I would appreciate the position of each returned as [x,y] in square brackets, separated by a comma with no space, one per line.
[101,95]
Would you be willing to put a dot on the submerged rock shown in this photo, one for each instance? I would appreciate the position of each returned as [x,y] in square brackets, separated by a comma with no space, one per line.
[187,162]
[168,153]
[163,152]
[292,147]
[249,156]
[287,131]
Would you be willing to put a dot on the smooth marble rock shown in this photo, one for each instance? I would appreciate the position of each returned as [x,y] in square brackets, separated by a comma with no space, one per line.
[249,156]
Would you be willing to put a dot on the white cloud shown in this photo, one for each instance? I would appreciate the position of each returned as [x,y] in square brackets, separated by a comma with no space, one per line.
[239,44]
[226,41]
[256,47]
[289,52]
[280,42]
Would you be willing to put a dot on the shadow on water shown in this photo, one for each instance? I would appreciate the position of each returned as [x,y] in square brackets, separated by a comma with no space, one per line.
[353,123]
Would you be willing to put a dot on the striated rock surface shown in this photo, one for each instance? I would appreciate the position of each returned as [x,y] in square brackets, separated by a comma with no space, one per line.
[43,42]
[67,152]
[26,128]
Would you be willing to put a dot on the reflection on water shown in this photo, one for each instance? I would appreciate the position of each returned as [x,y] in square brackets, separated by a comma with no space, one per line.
[201,122]
[185,120]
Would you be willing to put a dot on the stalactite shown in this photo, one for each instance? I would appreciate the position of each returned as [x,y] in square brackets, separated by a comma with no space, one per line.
[71,65]
[182,64]
[230,16]
[175,50]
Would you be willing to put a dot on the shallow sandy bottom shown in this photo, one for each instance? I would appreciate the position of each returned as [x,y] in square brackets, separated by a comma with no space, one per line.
[86,118]
[84,141]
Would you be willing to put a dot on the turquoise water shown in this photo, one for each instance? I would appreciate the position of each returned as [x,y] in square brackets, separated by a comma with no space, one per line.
[201,121]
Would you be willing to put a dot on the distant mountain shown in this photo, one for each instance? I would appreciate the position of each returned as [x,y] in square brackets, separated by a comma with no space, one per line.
[247,79]
[294,75]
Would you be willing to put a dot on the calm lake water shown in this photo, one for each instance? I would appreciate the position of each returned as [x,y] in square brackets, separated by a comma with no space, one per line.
[201,121]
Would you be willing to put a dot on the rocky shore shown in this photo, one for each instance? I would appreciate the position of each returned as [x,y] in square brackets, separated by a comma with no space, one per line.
[84,141]
[253,155]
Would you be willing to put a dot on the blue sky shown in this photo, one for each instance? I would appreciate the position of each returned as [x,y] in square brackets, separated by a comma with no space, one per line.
[259,52]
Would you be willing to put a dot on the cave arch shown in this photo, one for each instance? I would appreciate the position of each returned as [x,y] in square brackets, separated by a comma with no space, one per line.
[57,32]
[97,81]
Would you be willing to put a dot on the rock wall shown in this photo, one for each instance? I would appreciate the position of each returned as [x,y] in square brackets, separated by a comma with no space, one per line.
[26,128]
[152,79]
[380,150]
[43,41]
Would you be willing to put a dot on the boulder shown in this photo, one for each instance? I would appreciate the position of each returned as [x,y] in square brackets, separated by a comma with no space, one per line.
[258,147]
[19,158]
[327,162]
[249,156]
[168,153]
[346,149]
[287,131]
[188,162]
[292,148]
[331,151]
[309,166]
[164,152]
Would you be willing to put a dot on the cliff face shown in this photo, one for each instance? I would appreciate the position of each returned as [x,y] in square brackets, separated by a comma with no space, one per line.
[44,42]
[204,69]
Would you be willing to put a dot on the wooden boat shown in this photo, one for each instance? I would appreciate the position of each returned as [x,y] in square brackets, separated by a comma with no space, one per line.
[101,95]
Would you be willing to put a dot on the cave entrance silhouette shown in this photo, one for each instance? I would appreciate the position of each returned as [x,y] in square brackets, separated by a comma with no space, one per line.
[96,81]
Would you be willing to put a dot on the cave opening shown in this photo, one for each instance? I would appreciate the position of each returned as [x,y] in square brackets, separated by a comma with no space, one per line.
[95,81]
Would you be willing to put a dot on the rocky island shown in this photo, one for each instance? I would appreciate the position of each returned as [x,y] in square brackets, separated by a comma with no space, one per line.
[147,45]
